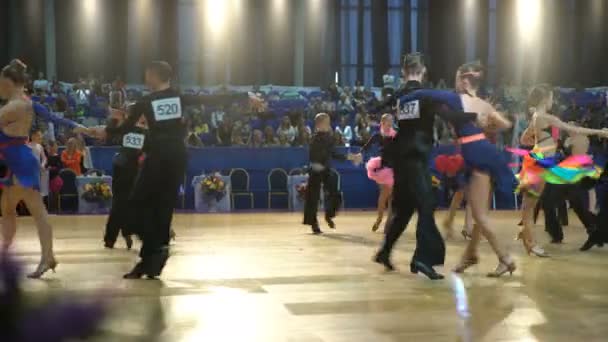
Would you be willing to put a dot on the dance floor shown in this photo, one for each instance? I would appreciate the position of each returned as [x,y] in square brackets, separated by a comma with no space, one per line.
[263,277]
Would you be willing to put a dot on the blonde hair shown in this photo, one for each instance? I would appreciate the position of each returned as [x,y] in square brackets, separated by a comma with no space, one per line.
[385,117]
[319,118]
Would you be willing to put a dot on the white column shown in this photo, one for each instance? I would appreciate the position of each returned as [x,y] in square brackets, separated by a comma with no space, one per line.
[299,39]
[49,39]
[492,42]
[470,29]
[189,45]
[414,25]
[134,71]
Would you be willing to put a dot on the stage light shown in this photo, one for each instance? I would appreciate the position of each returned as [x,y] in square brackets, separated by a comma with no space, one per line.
[279,7]
[215,15]
[528,19]
[89,7]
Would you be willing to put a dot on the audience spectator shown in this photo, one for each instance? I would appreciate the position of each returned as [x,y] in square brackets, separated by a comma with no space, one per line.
[287,130]
[283,140]
[53,162]
[224,133]
[41,84]
[304,133]
[338,139]
[257,139]
[71,158]
[217,117]
[269,139]
[345,105]
[345,130]
[362,130]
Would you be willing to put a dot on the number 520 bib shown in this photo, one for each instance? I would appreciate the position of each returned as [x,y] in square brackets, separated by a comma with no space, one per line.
[167,109]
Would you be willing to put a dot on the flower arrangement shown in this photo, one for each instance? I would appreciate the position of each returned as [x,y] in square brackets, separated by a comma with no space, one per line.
[301,189]
[97,192]
[213,187]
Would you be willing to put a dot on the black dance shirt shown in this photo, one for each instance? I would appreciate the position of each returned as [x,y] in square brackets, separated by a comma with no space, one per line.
[164,114]
[322,150]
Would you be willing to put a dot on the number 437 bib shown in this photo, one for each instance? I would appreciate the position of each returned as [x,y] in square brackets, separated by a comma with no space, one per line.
[167,109]
[409,110]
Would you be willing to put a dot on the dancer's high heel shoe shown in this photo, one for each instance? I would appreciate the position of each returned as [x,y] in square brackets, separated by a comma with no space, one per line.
[466,235]
[43,267]
[532,248]
[505,265]
[172,235]
[376,225]
[466,263]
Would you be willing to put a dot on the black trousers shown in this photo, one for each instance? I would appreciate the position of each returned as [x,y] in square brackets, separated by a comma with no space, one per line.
[562,211]
[553,196]
[413,191]
[154,197]
[602,219]
[333,199]
[121,218]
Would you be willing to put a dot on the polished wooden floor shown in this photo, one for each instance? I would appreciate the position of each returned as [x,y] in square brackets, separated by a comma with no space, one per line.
[263,277]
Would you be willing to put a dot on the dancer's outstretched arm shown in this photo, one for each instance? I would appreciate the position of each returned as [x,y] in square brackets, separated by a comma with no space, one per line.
[556,122]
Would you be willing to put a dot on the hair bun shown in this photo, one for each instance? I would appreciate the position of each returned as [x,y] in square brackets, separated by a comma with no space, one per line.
[18,64]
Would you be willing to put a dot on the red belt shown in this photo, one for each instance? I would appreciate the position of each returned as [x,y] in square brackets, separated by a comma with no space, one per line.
[471,138]
[20,141]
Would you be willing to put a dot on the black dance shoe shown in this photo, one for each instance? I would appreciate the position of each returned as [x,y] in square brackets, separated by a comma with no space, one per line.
[417,266]
[129,242]
[593,240]
[316,230]
[155,263]
[108,244]
[330,222]
[137,272]
[384,260]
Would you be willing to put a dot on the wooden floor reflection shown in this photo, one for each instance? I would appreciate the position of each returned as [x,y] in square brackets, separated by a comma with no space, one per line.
[263,277]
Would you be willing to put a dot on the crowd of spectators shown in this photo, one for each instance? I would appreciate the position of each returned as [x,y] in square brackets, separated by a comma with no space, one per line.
[287,119]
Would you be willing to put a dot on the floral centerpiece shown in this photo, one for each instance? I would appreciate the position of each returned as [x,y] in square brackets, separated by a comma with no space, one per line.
[97,192]
[301,190]
[213,188]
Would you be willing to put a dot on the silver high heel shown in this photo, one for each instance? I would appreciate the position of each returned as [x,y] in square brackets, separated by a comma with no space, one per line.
[43,267]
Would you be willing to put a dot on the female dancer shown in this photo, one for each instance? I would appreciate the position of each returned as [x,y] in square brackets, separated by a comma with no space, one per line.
[539,165]
[554,194]
[15,123]
[379,169]
[482,159]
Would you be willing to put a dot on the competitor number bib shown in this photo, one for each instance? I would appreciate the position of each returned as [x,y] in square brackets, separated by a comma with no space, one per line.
[409,110]
[133,140]
[167,109]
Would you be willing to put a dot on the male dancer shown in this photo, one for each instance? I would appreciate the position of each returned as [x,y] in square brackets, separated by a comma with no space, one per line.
[321,153]
[157,185]
[413,187]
